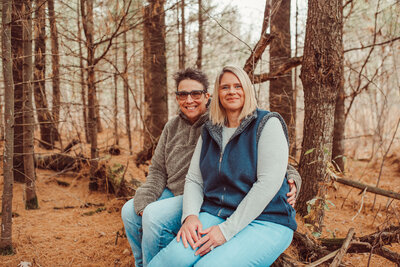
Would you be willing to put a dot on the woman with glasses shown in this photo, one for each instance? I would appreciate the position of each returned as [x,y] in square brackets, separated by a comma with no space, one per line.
[235,211]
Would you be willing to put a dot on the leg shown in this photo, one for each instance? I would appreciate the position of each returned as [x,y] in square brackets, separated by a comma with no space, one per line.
[161,223]
[133,227]
[175,254]
[258,244]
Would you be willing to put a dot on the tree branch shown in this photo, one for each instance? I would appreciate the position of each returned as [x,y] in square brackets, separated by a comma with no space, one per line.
[281,70]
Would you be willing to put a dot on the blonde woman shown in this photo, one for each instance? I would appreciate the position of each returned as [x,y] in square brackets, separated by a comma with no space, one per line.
[235,211]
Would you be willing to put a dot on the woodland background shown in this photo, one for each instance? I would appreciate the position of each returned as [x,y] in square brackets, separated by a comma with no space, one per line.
[87,88]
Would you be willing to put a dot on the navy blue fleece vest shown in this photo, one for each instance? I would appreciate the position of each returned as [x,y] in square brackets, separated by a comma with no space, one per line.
[228,177]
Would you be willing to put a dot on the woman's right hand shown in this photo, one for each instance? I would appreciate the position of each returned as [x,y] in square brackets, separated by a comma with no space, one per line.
[190,231]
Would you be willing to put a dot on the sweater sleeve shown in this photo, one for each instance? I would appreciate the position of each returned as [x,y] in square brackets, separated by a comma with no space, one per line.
[292,173]
[193,193]
[156,179]
[271,168]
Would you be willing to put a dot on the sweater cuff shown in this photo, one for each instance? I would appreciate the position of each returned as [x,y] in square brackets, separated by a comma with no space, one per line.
[226,232]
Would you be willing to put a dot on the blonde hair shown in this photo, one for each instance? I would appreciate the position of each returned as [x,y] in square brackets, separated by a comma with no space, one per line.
[217,111]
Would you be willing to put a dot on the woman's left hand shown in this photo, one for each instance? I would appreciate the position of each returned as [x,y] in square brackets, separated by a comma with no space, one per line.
[212,238]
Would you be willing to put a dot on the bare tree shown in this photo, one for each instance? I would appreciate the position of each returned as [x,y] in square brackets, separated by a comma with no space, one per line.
[281,93]
[116,135]
[82,77]
[31,201]
[55,63]
[182,52]
[6,207]
[200,37]
[87,21]
[155,78]
[18,55]
[126,89]
[321,77]
[47,128]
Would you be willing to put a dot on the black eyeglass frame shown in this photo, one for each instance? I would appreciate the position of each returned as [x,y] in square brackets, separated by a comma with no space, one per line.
[182,95]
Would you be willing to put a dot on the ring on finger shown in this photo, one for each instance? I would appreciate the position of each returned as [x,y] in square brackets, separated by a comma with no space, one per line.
[211,247]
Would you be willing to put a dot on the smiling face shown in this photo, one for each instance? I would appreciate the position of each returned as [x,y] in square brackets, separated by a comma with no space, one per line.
[192,108]
[231,94]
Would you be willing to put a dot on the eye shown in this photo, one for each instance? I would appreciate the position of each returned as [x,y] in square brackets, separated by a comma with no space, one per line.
[196,93]
[224,87]
[238,86]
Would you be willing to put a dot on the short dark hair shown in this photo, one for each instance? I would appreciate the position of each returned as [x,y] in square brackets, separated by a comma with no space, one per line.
[191,74]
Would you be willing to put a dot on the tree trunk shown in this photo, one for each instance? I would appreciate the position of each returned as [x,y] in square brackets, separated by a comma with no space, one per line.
[6,207]
[82,76]
[321,77]
[155,76]
[338,148]
[31,201]
[87,21]
[281,94]
[126,93]
[183,41]
[200,37]
[97,109]
[55,63]
[116,135]
[47,127]
[17,53]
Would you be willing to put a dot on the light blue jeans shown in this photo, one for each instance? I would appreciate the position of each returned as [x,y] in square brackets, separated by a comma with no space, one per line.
[258,244]
[149,233]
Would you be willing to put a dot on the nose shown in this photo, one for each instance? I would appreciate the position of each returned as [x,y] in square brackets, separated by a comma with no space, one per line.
[189,99]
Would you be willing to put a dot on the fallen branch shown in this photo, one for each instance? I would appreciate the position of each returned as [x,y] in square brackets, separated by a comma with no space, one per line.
[369,188]
[339,256]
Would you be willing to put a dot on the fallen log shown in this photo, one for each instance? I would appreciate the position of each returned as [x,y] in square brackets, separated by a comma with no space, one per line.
[59,162]
[370,188]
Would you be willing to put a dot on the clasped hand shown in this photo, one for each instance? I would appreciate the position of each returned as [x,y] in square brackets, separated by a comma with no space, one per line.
[192,232]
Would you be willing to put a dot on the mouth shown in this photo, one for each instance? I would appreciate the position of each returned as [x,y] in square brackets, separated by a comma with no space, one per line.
[191,108]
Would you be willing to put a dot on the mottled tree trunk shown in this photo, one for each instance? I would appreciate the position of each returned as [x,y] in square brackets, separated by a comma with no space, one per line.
[55,63]
[6,204]
[321,77]
[126,92]
[116,135]
[47,127]
[82,78]
[338,148]
[281,94]
[17,54]
[200,37]
[155,73]
[182,57]
[31,201]
[87,21]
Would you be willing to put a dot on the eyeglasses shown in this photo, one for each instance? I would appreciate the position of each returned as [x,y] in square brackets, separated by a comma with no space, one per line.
[195,94]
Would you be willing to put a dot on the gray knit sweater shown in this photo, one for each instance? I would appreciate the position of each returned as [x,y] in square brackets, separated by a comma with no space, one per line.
[170,161]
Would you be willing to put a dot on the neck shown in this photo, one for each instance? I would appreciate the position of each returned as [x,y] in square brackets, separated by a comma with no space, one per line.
[233,119]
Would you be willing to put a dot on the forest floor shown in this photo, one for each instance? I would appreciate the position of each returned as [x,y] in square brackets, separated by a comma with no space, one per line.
[76,227]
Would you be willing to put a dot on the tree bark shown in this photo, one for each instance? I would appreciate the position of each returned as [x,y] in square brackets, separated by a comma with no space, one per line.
[155,78]
[126,92]
[338,148]
[82,78]
[55,63]
[182,57]
[6,207]
[31,201]
[321,78]
[47,127]
[200,37]
[281,94]
[87,21]
[17,53]
[116,135]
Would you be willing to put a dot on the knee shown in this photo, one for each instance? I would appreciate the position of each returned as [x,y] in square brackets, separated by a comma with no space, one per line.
[128,211]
